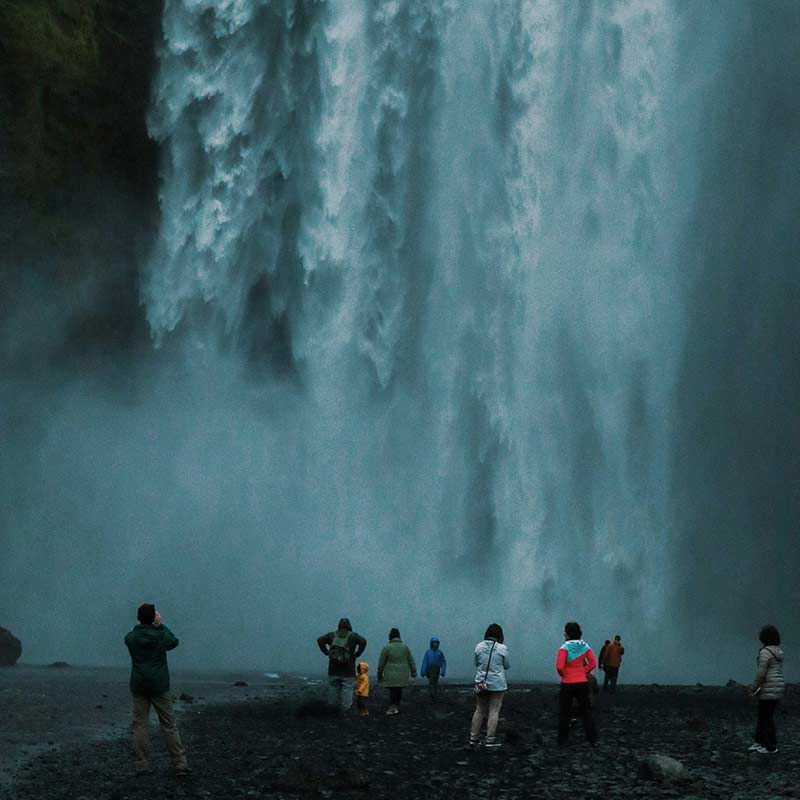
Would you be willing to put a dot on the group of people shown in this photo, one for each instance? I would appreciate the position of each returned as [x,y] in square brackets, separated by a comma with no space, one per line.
[610,660]
[575,662]
[150,640]
[396,667]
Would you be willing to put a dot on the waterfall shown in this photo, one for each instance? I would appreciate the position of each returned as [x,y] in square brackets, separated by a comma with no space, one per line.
[458,311]
[448,230]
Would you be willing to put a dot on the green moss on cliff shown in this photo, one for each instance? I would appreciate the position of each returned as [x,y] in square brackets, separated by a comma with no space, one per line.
[74,80]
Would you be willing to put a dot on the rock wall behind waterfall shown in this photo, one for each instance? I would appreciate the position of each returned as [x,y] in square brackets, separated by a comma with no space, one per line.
[79,177]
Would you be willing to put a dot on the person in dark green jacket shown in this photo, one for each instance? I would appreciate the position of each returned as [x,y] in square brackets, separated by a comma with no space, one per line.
[342,648]
[148,644]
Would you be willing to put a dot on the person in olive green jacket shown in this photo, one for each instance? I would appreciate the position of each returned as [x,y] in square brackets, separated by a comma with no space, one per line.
[395,665]
[148,644]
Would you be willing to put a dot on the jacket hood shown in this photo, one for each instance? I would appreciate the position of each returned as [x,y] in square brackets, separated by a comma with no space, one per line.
[575,648]
[363,668]
[434,640]
[344,625]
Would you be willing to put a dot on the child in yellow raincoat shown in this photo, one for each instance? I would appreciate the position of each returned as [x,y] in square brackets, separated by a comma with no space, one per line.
[362,688]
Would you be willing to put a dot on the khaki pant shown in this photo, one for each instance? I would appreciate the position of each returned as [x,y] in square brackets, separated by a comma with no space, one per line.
[486,704]
[141,737]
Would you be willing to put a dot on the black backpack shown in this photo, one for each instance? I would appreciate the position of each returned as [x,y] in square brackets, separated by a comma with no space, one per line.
[339,652]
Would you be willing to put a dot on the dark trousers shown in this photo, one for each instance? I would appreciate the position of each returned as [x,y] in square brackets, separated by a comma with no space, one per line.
[433,680]
[765,726]
[611,678]
[580,693]
[395,695]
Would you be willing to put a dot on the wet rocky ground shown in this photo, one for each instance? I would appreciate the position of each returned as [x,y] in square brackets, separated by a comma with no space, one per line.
[276,743]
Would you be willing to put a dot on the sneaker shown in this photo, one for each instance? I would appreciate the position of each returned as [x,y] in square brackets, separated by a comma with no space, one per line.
[493,743]
[473,744]
[761,749]
[754,746]
[392,710]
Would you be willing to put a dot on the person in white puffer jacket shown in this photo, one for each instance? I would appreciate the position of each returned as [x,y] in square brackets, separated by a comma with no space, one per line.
[768,687]
[491,663]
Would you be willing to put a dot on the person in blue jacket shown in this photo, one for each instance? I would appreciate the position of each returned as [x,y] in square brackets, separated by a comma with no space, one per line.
[434,666]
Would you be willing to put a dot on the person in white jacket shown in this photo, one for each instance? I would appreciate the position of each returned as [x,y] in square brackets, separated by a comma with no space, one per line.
[768,687]
[491,663]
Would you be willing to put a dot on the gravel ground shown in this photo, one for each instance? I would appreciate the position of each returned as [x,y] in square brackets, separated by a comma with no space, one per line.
[47,709]
[276,742]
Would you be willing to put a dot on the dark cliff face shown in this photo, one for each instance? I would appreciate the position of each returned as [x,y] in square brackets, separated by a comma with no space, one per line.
[79,175]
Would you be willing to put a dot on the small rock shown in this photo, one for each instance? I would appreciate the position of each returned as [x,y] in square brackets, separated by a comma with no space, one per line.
[59,665]
[697,725]
[732,684]
[663,769]
[240,683]
[345,779]
[512,735]
[316,708]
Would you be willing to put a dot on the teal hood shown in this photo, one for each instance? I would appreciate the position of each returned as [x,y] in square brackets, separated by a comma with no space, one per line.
[575,648]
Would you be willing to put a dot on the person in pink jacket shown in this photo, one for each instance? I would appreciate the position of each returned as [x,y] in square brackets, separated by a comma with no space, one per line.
[574,662]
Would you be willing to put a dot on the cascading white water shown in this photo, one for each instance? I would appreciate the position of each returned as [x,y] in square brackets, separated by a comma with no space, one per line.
[458,220]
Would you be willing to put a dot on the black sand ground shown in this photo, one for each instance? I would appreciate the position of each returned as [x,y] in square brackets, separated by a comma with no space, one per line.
[263,748]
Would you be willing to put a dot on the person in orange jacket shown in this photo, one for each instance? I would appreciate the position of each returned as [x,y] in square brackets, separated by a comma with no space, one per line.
[362,688]
[612,660]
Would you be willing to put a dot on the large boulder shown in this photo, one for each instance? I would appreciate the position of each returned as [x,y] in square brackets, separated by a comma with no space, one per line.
[10,648]
[663,769]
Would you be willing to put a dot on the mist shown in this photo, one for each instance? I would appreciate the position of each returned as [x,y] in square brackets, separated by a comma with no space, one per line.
[451,313]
